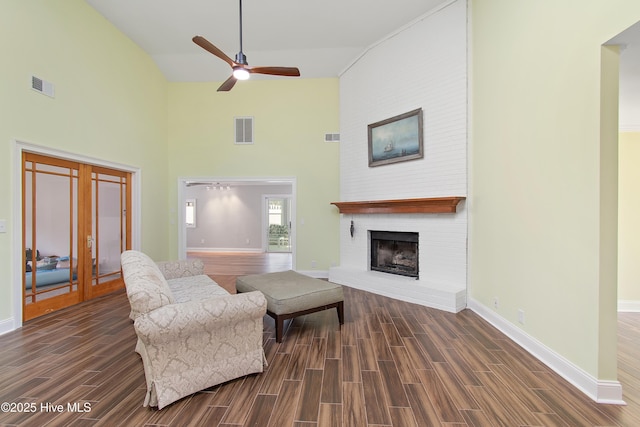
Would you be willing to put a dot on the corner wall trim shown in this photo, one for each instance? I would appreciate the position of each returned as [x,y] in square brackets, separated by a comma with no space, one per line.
[601,391]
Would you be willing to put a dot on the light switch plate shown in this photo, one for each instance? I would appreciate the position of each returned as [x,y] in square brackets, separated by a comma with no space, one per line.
[3,226]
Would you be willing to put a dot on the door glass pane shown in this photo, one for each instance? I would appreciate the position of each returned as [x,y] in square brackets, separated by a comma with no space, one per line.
[94,226]
[49,240]
[278,225]
[109,226]
[123,225]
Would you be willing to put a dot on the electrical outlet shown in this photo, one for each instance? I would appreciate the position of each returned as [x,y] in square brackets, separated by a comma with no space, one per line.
[201,240]
[313,264]
[496,303]
[521,316]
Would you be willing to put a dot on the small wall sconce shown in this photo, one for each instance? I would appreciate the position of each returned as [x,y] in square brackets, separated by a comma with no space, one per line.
[352,229]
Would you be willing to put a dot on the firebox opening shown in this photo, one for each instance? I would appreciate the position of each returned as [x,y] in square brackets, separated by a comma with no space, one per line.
[394,252]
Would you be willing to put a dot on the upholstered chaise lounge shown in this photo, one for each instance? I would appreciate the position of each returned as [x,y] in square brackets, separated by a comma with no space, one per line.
[192,334]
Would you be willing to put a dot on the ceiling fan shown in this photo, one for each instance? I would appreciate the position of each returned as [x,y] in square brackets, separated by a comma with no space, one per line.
[241,69]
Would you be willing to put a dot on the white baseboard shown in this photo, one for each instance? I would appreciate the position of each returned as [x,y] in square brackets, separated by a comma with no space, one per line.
[629,306]
[601,391]
[249,250]
[7,325]
[318,274]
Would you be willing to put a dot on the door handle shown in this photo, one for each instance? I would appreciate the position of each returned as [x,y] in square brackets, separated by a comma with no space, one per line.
[89,242]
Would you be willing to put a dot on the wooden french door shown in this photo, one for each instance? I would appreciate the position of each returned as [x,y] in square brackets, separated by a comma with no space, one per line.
[76,222]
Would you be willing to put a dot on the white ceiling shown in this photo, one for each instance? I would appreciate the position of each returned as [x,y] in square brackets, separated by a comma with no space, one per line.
[321,38]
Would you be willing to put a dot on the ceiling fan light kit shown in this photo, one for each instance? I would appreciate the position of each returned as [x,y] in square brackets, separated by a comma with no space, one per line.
[240,67]
[240,73]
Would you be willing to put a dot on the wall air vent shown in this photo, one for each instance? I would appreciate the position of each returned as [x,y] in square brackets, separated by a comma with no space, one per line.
[244,130]
[42,86]
[331,137]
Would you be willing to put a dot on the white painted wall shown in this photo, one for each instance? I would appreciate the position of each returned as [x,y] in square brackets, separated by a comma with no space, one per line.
[423,65]
[229,219]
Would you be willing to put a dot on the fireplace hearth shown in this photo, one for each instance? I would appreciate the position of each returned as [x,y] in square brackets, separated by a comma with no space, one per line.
[394,252]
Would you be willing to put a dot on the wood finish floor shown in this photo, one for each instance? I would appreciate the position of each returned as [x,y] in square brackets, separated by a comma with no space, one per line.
[392,364]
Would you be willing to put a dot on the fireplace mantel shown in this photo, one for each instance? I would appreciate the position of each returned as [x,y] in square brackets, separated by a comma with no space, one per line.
[427,205]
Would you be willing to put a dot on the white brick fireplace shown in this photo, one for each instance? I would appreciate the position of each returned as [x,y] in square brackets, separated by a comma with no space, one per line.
[441,281]
[423,65]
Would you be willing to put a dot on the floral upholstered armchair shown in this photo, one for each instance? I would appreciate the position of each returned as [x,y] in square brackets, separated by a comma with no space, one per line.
[192,334]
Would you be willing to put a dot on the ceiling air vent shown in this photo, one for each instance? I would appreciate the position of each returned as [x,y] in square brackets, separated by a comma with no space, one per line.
[42,86]
[331,137]
[244,130]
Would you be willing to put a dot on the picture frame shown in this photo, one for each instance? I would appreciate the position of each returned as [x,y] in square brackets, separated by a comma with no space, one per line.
[397,139]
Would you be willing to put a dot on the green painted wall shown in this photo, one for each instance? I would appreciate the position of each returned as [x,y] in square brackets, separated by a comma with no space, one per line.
[110,104]
[540,209]
[629,218]
[291,117]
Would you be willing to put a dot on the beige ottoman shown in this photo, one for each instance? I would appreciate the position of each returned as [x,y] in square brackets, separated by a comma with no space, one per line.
[290,294]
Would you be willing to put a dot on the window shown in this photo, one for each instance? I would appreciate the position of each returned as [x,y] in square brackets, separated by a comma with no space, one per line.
[190,213]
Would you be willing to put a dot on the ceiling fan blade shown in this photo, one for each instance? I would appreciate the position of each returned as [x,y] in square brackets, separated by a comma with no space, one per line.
[206,45]
[275,71]
[228,84]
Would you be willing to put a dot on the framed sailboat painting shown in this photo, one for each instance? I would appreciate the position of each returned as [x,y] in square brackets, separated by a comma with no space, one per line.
[397,139]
